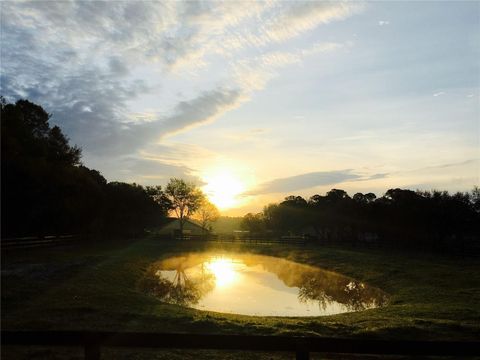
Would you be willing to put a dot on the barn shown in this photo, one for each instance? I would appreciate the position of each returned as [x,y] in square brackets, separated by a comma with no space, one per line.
[172,228]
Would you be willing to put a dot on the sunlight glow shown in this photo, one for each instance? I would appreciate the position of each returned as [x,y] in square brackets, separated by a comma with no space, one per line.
[224,271]
[223,188]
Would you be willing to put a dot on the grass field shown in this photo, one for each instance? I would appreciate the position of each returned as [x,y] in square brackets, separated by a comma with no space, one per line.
[93,287]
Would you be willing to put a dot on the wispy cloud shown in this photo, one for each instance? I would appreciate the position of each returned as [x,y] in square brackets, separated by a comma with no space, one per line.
[469,162]
[299,17]
[88,62]
[79,59]
[145,171]
[204,108]
[309,180]
[253,74]
[247,135]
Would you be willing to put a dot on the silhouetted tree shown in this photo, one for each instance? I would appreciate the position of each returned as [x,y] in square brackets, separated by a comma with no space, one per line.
[290,215]
[47,191]
[185,198]
[253,223]
[207,214]
[430,220]
[40,171]
[157,194]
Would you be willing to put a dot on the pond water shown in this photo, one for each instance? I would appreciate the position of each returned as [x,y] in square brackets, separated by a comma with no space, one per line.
[259,285]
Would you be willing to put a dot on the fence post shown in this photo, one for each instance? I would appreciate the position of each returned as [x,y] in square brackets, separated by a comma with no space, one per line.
[302,352]
[302,355]
[92,351]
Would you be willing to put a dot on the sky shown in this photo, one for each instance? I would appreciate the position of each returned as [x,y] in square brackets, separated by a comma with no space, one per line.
[254,101]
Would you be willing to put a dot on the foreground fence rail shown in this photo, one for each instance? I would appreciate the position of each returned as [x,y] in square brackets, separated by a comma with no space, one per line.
[35,241]
[301,346]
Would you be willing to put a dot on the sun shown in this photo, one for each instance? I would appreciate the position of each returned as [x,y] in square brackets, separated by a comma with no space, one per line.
[223,188]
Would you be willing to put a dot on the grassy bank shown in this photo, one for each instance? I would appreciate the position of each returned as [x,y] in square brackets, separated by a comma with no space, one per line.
[94,287]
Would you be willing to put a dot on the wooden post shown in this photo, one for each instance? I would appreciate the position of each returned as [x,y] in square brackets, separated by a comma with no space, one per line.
[302,352]
[302,355]
[92,351]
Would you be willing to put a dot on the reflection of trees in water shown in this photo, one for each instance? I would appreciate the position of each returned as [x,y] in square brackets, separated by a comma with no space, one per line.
[326,287]
[323,286]
[183,290]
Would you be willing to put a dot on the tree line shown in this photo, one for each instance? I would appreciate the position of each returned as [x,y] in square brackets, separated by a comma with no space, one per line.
[431,220]
[46,190]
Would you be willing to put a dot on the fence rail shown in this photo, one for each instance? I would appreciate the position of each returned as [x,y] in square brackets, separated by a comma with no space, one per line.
[35,241]
[301,346]
[298,240]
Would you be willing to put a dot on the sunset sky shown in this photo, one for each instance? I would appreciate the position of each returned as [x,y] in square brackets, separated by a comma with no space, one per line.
[257,100]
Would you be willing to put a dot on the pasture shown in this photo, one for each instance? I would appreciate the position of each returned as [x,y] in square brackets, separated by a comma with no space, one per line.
[94,287]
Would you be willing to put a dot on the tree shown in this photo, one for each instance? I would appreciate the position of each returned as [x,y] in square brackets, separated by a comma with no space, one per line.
[185,198]
[160,198]
[290,216]
[207,214]
[129,209]
[41,178]
[253,223]
[364,199]
[475,198]
[270,217]
[47,191]
[27,135]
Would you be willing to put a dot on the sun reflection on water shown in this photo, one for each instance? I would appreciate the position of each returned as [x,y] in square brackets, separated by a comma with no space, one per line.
[224,270]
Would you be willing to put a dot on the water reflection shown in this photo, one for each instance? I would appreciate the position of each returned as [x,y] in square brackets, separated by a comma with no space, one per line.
[256,285]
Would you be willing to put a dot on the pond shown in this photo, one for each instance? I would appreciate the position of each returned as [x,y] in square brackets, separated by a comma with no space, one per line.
[251,284]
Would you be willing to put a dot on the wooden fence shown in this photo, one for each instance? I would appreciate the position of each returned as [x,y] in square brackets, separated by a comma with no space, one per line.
[34,241]
[257,239]
[250,239]
[92,342]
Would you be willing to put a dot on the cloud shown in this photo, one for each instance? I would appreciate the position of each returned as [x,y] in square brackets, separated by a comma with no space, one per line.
[91,105]
[305,181]
[253,74]
[67,44]
[149,171]
[310,180]
[440,93]
[383,22]
[295,18]
[470,162]
[203,109]
[376,176]
[88,62]
[133,136]
[153,165]
[146,171]
[460,163]
[176,153]
[249,135]
[118,67]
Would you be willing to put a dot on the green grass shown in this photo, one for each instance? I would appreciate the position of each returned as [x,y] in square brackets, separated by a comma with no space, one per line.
[93,287]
